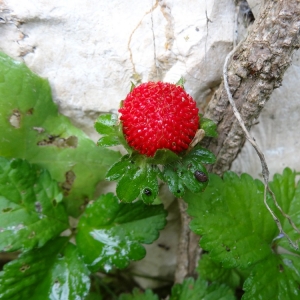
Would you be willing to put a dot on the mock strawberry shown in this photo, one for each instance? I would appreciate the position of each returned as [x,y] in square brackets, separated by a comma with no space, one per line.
[158,115]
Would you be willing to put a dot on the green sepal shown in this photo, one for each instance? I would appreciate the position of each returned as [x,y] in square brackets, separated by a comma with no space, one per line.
[180,82]
[110,233]
[106,125]
[209,126]
[132,86]
[138,181]
[162,157]
[200,155]
[108,141]
[118,169]
[180,175]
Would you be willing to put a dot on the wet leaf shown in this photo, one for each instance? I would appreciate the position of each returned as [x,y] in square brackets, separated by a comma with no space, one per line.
[54,271]
[30,208]
[238,231]
[182,175]
[107,125]
[110,233]
[201,289]
[277,277]
[135,178]
[32,128]
[214,272]
[235,204]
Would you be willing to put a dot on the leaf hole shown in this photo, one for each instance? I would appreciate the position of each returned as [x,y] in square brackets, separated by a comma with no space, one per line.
[55,140]
[31,235]
[68,183]
[24,268]
[15,118]
[30,111]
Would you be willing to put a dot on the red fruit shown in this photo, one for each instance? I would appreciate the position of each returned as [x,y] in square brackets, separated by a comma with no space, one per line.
[158,115]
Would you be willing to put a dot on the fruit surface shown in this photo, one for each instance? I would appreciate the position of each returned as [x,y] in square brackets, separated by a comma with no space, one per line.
[158,115]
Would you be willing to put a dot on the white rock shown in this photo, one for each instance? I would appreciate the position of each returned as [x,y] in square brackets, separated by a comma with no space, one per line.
[91,50]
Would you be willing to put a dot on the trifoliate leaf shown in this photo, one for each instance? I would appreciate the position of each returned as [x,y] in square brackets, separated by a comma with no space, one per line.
[32,129]
[139,295]
[209,126]
[110,233]
[235,226]
[200,289]
[214,272]
[238,230]
[30,208]
[277,277]
[54,271]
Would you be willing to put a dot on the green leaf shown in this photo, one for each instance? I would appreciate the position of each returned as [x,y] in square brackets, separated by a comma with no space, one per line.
[110,233]
[214,272]
[182,174]
[277,277]
[137,294]
[30,208]
[200,289]
[54,271]
[209,126]
[32,129]
[238,230]
[235,225]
